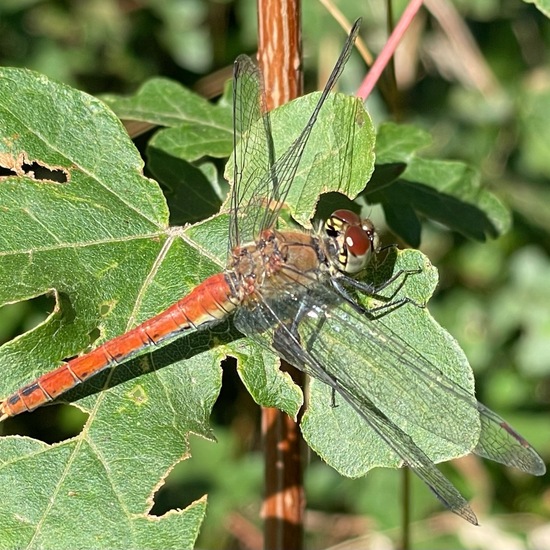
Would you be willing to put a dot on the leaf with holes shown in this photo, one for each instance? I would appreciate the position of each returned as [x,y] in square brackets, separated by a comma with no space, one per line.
[82,223]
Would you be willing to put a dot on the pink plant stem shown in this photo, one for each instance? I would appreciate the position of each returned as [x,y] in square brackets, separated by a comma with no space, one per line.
[388,50]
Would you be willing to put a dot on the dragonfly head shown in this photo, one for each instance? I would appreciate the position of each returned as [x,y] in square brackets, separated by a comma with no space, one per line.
[354,240]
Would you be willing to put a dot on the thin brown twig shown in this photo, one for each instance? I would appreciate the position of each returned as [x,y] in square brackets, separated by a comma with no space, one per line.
[346,24]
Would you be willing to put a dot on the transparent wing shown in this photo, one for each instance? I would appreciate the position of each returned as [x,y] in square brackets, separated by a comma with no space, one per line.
[260,324]
[261,181]
[252,150]
[500,442]
[400,394]
[285,167]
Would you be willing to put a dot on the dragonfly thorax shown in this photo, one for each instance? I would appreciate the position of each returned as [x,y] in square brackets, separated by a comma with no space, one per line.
[276,260]
[353,240]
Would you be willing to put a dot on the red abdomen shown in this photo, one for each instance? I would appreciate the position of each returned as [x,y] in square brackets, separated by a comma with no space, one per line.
[209,302]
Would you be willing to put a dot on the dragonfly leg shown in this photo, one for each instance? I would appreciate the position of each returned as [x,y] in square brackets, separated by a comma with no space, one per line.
[376,311]
[381,310]
[376,290]
[287,343]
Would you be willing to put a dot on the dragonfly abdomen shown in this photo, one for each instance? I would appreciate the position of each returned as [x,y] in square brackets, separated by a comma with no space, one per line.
[208,303]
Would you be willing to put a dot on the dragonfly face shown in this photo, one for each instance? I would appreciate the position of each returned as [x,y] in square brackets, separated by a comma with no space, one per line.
[352,241]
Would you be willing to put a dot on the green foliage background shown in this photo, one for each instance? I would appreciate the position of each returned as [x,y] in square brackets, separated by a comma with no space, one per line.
[493,295]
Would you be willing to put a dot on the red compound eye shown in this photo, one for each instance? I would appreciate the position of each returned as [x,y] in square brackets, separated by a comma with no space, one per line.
[357,241]
[347,216]
[353,238]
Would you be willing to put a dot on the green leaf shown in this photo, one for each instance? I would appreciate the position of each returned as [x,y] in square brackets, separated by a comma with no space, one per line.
[83,223]
[370,351]
[101,242]
[339,156]
[265,382]
[448,192]
[542,5]
[196,127]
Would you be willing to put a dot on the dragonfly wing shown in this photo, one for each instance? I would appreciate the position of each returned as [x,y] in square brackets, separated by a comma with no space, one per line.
[497,440]
[377,365]
[374,365]
[262,178]
[253,154]
[500,442]
[262,324]
[286,166]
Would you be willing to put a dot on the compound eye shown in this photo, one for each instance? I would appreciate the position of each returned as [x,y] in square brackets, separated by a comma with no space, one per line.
[346,216]
[359,245]
[358,241]
[338,223]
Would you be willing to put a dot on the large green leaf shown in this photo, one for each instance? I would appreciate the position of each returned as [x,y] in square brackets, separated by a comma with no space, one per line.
[80,221]
[100,241]
[371,350]
[448,192]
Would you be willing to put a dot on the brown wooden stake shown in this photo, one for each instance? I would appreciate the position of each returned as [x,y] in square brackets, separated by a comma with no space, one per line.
[280,50]
[284,501]
[279,55]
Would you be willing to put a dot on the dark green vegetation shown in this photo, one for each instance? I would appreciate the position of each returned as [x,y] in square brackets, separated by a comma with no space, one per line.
[476,161]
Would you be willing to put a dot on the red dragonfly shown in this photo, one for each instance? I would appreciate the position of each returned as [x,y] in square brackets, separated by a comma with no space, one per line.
[295,293]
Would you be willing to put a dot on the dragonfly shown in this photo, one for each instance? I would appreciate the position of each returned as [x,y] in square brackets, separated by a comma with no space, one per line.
[296,293]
